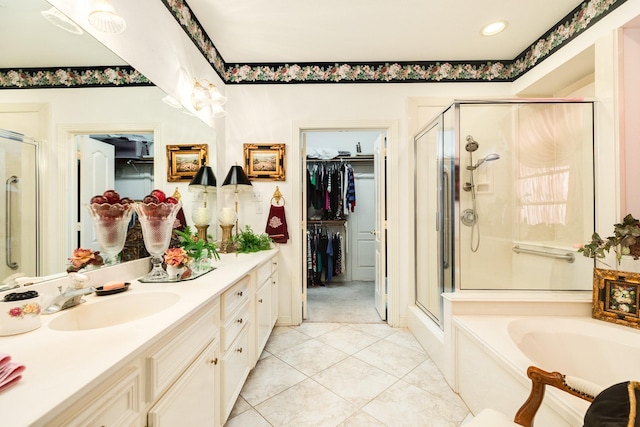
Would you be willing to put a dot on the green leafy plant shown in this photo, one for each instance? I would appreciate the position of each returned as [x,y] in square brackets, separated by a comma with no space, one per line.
[623,242]
[247,241]
[196,248]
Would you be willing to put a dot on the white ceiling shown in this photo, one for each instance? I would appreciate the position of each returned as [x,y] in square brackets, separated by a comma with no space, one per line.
[257,31]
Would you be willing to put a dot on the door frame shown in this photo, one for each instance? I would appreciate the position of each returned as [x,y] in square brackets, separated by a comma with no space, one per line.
[391,129]
[67,159]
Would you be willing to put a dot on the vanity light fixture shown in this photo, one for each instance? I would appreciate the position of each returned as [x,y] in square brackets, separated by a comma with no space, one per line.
[103,17]
[494,28]
[61,20]
[202,96]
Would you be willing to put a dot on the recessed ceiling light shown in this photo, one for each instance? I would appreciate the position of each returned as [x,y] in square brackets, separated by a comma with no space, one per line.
[494,28]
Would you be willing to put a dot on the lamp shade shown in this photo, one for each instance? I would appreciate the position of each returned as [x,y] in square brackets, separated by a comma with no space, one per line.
[237,178]
[204,179]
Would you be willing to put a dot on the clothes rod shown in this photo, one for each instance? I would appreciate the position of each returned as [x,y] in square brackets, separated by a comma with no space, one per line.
[569,257]
[342,159]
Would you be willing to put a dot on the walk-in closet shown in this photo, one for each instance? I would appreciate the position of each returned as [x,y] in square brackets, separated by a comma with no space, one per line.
[340,222]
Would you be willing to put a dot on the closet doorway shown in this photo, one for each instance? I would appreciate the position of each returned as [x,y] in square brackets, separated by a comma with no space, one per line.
[344,215]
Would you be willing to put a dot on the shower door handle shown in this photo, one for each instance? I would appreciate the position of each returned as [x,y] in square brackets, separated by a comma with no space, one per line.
[446,238]
[12,265]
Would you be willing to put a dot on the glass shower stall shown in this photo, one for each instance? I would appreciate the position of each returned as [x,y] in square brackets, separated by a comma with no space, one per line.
[19,215]
[504,194]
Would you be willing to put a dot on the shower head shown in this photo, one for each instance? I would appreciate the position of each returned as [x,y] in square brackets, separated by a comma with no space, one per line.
[472,144]
[488,158]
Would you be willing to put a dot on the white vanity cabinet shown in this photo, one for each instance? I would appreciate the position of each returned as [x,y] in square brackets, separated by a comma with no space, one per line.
[266,302]
[235,345]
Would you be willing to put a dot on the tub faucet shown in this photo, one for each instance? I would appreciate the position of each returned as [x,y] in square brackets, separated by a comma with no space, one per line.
[72,296]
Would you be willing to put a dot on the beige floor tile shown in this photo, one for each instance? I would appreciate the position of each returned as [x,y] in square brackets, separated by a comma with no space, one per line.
[361,419]
[250,418]
[306,404]
[390,358]
[348,339]
[404,338]
[404,405]
[314,330]
[239,407]
[270,376]
[355,380]
[312,356]
[283,338]
[380,330]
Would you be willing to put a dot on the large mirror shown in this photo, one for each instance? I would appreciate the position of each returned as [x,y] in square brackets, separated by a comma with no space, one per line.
[58,119]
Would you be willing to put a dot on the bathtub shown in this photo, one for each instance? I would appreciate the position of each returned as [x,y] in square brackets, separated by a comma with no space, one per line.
[492,354]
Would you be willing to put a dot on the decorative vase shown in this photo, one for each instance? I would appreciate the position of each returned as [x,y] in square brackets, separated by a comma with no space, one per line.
[111,222]
[174,272]
[157,221]
[201,265]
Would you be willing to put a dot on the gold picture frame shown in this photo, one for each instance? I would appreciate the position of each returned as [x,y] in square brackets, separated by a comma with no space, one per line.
[265,162]
[616,297]
[183,161]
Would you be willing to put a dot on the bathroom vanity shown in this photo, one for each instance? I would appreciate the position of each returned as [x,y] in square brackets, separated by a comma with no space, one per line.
[159,354]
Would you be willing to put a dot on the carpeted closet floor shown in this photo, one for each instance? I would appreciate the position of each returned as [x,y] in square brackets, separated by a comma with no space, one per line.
[342,302]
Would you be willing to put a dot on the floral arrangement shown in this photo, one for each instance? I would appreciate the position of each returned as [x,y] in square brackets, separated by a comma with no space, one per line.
[194,247]
[625,241]
[82,258]
[176,257]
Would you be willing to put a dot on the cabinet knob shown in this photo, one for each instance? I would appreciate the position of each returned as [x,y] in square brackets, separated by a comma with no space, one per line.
[239,350]
[260,300]
[213,361]
[239,320]
[239,293]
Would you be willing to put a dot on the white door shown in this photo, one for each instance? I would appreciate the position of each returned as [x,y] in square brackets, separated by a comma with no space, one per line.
[361,225]
[380,233]
[97,174]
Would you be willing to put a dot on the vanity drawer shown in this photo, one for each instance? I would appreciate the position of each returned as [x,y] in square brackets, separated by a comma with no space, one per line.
[234,371]
[178,350]
[263,273]
[234,325]
[235,297]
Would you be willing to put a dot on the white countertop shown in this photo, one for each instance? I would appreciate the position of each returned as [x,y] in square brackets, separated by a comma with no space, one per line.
[62,365]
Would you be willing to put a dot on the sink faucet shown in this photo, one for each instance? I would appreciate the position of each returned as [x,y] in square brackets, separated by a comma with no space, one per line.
[72,296]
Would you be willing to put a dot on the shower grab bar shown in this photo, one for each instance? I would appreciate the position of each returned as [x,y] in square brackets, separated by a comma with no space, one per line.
[569,257]
[12,180]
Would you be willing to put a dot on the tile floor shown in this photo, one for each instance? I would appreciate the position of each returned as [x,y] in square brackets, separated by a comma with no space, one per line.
[346,375]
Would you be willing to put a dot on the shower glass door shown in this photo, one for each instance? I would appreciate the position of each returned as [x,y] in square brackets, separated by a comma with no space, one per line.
[19,216]
[434,192]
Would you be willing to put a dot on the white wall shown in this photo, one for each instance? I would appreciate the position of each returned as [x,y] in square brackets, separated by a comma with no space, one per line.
[269,113]
[95,108]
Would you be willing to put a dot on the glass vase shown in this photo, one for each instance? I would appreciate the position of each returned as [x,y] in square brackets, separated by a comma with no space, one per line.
[157,220]
[111,222]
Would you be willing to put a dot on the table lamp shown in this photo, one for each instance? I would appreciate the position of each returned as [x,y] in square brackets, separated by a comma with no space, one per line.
[202,185]
[236,181]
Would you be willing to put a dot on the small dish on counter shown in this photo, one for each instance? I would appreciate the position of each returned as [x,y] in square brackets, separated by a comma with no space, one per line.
[100,291]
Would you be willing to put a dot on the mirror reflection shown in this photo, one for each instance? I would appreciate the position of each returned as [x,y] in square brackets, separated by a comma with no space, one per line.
[133,123]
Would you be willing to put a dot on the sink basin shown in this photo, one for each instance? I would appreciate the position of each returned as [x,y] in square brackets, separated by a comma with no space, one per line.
[113,311]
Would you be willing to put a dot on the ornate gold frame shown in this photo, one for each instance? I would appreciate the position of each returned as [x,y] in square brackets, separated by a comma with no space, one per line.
[183,161]
[616,297]
[265,162]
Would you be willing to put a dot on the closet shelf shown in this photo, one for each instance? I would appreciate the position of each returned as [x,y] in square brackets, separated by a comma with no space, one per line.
[326,221]
[348,159]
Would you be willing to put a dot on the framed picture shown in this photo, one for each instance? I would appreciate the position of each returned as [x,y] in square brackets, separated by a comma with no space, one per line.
[616,297]
[264,162]
[183,161]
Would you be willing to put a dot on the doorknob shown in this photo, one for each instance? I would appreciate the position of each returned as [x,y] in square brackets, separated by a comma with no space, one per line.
[374,232]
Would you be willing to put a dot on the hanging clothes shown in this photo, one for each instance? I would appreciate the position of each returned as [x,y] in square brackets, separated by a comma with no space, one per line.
[324,255]
[327,189]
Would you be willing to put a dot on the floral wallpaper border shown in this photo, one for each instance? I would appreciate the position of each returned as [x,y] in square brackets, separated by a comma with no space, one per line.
[581,18]
[75,77]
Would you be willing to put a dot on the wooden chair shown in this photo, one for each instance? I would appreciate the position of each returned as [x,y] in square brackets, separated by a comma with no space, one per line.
[539,379]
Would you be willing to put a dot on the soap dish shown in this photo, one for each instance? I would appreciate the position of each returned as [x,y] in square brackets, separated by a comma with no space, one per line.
[100,292]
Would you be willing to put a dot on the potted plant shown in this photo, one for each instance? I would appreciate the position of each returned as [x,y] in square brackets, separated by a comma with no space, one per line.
[624,241]
[200,251]
[247,241]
